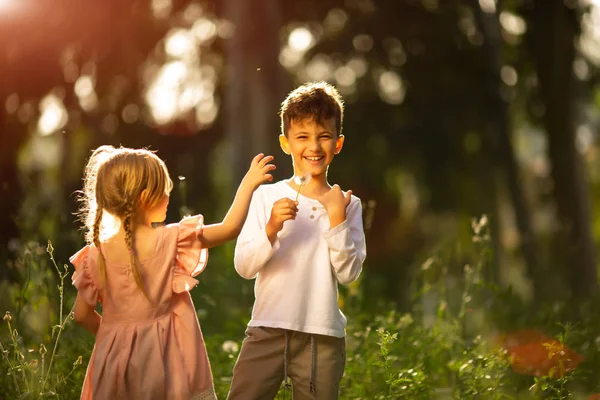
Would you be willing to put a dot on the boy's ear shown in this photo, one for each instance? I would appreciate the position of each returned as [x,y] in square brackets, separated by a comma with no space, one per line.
[285,145]
[339,143]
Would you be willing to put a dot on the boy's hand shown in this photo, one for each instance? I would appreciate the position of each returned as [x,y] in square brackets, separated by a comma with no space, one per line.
[258,173]
[283,209]
[335,203]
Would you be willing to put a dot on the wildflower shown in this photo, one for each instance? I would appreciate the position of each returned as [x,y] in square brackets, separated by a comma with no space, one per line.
[229,346]
[7,316]
[301,181]
[50,249]
[532,352]
[77,362]
[43,349]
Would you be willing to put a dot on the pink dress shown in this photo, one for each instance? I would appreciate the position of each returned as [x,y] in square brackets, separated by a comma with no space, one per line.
[148,351]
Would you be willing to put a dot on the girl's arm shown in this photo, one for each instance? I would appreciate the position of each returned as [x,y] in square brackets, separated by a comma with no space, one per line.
[258,173]
[86,315]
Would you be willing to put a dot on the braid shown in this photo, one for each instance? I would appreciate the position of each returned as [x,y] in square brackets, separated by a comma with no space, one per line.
[96,240]
[129,227]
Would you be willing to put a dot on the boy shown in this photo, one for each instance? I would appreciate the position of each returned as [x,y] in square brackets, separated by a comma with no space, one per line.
[298,251]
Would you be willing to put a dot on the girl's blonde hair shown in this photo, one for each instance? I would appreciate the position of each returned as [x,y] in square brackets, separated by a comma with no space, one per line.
[120,181]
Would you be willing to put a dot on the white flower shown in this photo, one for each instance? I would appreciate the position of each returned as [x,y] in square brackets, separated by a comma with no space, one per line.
[302,180]
[229,346]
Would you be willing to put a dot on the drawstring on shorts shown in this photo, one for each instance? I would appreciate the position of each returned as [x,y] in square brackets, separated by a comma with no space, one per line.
[312,364]
[286,384]
[285,360]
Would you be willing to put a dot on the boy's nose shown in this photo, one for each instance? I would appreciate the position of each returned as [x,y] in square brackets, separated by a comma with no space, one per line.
[315,144]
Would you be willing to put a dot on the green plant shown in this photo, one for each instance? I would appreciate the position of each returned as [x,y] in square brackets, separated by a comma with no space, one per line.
[32,373]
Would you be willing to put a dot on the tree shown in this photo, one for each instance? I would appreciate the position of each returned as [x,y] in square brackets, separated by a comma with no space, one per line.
[555,26]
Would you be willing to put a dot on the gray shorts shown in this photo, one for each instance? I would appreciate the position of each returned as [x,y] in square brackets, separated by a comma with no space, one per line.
[313,363]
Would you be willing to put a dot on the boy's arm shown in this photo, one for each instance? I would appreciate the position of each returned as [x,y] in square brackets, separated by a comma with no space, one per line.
[347,247]
[253,248]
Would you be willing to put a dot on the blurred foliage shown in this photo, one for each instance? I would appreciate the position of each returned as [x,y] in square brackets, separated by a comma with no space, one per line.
[447,346]
[453,109]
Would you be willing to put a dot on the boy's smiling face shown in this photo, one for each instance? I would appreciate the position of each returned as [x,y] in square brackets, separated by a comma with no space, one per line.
[312,145]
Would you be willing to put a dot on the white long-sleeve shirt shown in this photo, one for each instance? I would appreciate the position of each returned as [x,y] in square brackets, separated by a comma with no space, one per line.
[297,276]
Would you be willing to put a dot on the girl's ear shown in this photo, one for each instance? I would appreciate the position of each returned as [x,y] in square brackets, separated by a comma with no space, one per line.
[285,145]
[144,198]
[339,143]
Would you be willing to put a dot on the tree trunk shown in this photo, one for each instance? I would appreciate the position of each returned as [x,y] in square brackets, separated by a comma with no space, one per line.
[499,136]
[254,88]
[555,28]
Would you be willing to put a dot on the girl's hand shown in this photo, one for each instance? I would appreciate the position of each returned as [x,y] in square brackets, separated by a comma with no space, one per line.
[335,202]
[258,173]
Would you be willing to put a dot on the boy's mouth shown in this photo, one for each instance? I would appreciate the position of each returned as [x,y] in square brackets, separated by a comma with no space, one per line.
[314,159]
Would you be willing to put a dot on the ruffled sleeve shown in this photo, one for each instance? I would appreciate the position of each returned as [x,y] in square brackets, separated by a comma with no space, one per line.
[191,258]
[85,262]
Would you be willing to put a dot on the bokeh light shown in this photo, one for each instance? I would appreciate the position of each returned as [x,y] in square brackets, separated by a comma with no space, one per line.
[488,6]
[180,44]
[589,40]
[391,88]
[53,115]
[512,23]
[300,40]
[161,9]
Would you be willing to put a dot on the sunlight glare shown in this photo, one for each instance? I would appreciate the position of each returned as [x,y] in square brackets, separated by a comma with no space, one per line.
[204,30]
[391,88]
[509,75]
[289,58]
[512,23]
[335,20]
[53,115]
[180,43]
[345,76]
[84,86]
[488,6]
[362,42]
[589,40]
[172,74]
[206,111]
[301,39]
[161,8]
[163,104]
[319,68]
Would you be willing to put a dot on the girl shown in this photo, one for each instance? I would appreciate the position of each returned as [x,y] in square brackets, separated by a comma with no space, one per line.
[148,339]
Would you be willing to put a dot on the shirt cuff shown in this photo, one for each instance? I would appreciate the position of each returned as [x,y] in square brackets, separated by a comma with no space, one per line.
[334,231]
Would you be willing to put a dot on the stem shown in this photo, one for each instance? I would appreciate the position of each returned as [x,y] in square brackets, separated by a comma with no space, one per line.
[22,292]
[43,367]
[299,189]
[60,329]
[62,321]
[64,378]
[7,359]
[62,284]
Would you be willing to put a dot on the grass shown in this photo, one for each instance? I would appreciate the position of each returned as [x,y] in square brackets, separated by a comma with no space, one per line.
[447,349]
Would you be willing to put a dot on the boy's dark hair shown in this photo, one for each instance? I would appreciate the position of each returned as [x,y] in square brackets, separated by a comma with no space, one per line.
[318,100]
